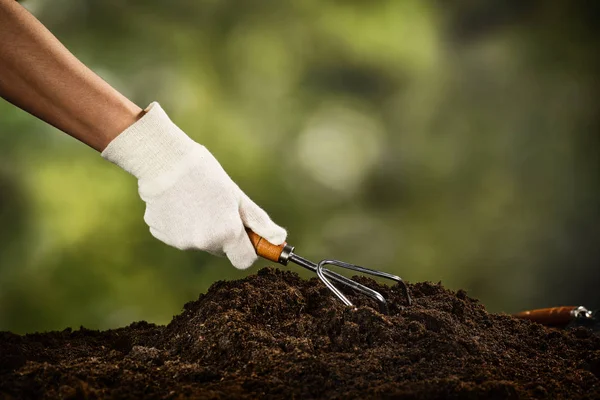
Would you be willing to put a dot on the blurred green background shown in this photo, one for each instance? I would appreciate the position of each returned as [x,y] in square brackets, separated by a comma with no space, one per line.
[454,142]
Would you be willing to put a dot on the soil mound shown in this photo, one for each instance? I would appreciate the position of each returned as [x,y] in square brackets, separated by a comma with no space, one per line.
[276,335]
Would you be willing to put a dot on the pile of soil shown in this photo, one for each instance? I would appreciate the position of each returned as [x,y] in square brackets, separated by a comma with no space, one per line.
[276,335]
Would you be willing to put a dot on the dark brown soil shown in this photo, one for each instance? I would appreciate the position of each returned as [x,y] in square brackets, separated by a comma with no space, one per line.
[275,335]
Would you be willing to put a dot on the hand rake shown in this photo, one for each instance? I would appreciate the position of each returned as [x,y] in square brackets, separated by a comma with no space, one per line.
[284,253]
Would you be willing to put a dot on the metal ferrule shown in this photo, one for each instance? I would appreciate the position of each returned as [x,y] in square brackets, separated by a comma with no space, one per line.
[581,313]
[287,251]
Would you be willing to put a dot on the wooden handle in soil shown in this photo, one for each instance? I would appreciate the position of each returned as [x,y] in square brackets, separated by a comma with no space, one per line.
[264,248]
[555,316]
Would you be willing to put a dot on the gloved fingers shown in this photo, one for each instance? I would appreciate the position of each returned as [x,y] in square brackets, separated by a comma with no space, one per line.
[239,250]
[259,221]
[161,236]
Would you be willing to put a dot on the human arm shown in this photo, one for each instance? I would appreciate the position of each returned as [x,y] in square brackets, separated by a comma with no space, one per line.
[39,75]
[191,202]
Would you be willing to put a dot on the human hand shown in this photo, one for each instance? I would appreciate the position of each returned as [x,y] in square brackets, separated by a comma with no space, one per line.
[191,202]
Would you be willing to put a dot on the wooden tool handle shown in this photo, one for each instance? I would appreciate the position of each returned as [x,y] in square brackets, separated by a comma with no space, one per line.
[555,316]
[264,248]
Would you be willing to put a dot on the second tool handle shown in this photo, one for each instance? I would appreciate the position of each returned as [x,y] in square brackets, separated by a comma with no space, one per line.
[555,316]
[264,248]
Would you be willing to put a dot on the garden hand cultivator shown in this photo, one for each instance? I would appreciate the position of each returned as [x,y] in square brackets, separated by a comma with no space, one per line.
[563,317]
[284,253]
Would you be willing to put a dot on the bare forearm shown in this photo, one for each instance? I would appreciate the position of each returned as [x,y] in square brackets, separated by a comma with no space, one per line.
[39,75]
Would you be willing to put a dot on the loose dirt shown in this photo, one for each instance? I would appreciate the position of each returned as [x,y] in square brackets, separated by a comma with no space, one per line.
[275,335]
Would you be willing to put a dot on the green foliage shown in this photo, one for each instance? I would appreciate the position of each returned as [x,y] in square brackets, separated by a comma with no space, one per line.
[435,142]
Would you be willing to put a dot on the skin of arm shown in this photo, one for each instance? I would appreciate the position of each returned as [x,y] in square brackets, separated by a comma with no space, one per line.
[39,75]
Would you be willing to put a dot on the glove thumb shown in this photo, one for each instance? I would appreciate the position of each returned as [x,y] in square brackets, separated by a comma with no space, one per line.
[258,220]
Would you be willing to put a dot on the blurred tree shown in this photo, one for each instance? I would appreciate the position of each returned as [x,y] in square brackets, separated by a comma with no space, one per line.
[459,140]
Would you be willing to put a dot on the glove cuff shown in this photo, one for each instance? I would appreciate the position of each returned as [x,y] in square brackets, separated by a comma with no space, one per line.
[149,147]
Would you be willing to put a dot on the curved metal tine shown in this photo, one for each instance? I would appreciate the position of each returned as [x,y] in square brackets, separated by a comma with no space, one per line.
[374,272]
[327,283]
[375,295]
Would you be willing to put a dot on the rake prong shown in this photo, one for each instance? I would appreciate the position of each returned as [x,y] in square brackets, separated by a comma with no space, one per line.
[369,271]
[322,272]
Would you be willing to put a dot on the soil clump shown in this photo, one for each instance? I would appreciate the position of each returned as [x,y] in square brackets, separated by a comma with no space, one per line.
[275,335]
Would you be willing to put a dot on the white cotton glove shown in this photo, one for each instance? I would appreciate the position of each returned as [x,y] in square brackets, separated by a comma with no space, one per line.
[191,202]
